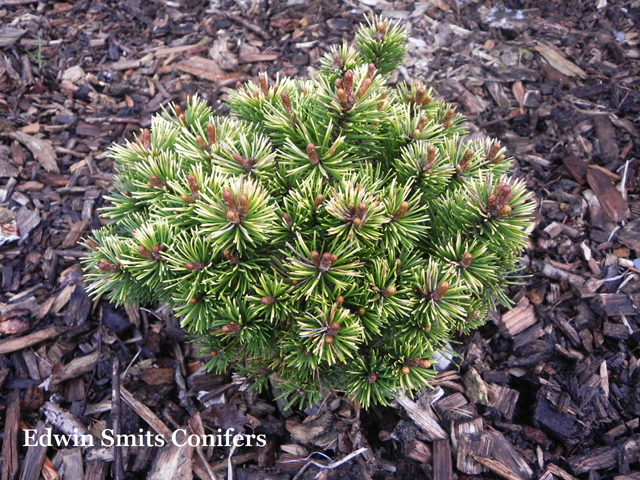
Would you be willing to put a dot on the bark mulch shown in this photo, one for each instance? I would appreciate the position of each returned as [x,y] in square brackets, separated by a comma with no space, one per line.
[548,390]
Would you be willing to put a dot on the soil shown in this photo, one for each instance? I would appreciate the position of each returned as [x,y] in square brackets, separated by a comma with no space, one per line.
[547,390]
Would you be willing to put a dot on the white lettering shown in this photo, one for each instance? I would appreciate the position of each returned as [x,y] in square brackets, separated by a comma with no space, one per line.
[174,437]
[261,440]
[30,435]
[106,435]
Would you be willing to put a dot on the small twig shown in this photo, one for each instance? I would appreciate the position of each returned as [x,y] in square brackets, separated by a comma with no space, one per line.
[332,465]
[115,419]
[8,3]
[623,184]
[248,25]
[230,466]
[143,122]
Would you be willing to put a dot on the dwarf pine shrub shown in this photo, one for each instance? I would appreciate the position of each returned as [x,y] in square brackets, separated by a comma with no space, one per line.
[331,234]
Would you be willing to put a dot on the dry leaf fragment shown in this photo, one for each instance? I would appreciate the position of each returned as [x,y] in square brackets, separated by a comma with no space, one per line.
[557,61]
[518,93]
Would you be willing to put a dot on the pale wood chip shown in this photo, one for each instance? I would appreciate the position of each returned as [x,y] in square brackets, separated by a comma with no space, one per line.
[559,62]
[42,150]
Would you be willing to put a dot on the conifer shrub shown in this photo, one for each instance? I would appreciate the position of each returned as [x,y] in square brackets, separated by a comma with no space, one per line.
[331,234]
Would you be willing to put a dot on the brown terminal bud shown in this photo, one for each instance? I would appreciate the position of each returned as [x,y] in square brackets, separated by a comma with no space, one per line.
[319,199]
[338,83]
[214,353]
[420,96]
[187,199]
[286,103]
[193,185]
[313,155]
[342,96]
[504,211]
[211,134]
[422,122]
[402,210]
[107,266]
[144,252]
[243,201]
[326,261]
[390,291]
[287,219]
[264,85]
[267,300]
[361,311]
[466,260]
[364,86]
[446,120]
[201,143]
[232,327]
[239,158]
[328,338]
[493,152]
[371,70]
[416,134]
[337,61]
[357,222]
[155,182]
[232,216]
[195,301]
[372,377]
[347,80]
[91,244]
[406,370]
[227,196]
[315,257]
[441,291]
[424,363]
[431,155]
[333,328]
[145,139]
[193,266]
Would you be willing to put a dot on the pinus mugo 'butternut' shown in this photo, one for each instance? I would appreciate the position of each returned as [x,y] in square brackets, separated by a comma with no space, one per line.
[331,234]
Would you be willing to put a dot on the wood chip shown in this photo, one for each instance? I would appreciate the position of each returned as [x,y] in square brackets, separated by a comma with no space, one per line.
[26,221]
[558,61]
[10,35]
[205,68]
[146,414]
[42,150]
[424,418]
[10,443]
[75,368]
[35,456]
[442,465]
[615,207]
[520,318]
[79,228]
[173,461]
[604,458]
[606,134]
[470,440]
[9,345]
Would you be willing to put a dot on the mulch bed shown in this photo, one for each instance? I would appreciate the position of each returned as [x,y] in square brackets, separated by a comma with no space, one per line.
[548,390]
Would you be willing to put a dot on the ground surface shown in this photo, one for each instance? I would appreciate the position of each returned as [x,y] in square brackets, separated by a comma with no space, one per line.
[549,390]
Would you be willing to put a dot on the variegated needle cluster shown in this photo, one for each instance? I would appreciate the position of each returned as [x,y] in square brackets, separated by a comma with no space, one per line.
[331,234]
